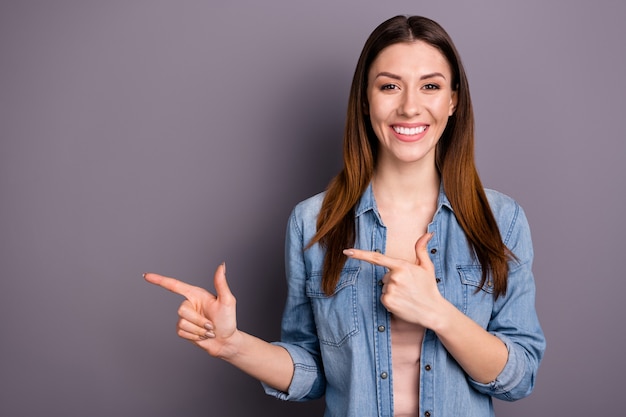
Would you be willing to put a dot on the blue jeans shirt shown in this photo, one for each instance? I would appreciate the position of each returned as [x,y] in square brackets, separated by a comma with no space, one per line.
[341,344]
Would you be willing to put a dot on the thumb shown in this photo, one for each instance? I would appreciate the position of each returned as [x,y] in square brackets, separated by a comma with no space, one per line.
[221,285]
[421,252]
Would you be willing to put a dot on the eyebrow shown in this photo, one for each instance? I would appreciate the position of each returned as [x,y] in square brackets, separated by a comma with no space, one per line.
[423,77]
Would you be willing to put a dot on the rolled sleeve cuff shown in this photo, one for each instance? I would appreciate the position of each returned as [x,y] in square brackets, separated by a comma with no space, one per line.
[510,379]
[305,376]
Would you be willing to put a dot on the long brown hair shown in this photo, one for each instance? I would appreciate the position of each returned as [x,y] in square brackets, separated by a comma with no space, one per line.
[454,161]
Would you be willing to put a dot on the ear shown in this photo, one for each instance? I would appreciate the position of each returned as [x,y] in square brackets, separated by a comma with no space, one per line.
[454,99]
[365,107]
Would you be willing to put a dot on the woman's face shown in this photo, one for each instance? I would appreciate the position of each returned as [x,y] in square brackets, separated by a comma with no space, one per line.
[410,98]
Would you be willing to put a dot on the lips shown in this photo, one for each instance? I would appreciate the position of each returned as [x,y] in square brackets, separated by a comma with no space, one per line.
[409,131]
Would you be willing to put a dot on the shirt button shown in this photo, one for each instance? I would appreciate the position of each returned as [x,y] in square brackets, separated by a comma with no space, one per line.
[427,414]
[381,328]
[384,375]
[433,251]
[381,283]
[438,280]
[427,367]
[377,250]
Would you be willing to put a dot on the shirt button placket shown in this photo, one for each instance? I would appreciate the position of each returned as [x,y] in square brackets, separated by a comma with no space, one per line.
[427,367]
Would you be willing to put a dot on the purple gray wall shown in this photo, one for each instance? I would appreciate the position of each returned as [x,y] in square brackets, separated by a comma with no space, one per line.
[172,135]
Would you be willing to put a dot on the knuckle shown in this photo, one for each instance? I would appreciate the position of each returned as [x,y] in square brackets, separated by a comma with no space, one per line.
[182,310]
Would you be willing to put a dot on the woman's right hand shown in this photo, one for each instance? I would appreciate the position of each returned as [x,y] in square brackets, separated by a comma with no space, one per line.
[207,320]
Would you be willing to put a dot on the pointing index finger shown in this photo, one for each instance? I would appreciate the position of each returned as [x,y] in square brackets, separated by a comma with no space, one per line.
[170,284]
[373,258]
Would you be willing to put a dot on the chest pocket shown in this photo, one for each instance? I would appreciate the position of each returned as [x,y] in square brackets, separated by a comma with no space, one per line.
[335,315]
[477,299]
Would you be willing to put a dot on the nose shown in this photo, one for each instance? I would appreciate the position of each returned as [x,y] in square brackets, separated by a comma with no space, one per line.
[410,104]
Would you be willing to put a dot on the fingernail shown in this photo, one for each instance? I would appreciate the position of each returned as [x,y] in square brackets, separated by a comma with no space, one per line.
[224,265]
[209,334]
[208,326]
[143,275]
[348,252]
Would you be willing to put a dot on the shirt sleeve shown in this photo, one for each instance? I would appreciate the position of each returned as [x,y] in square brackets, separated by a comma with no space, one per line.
[515,320]
[298,329]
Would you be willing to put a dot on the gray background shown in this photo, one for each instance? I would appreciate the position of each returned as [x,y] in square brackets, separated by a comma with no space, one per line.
[172,135]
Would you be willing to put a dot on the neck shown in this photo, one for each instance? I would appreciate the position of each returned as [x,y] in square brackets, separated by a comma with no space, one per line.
[406,186]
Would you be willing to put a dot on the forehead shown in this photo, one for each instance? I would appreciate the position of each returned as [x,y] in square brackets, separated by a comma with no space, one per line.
[411,57]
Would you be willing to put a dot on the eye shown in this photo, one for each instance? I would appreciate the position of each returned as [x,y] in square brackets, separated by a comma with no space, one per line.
[388,87]
[431,86]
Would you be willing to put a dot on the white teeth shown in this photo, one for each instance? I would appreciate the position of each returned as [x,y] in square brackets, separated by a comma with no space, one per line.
[409,131]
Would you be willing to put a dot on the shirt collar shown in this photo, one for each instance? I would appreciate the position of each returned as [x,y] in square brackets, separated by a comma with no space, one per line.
[442,200]
[367,202]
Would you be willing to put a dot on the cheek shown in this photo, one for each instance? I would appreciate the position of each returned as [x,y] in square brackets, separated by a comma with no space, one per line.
[443,108]
[380,110]
[374,113]
[377,122]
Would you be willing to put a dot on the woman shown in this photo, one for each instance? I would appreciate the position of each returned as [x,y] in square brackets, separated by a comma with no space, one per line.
[433,314]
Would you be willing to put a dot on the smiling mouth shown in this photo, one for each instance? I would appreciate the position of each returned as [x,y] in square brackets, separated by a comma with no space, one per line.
[409,131]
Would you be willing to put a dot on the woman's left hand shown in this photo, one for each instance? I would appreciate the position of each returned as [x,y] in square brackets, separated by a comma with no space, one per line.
[410,293]
[409,289]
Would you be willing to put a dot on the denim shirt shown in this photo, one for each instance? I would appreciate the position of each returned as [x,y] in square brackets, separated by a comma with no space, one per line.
[341,344]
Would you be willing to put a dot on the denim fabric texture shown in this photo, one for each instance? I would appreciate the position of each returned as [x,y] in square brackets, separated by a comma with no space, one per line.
[341,344]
